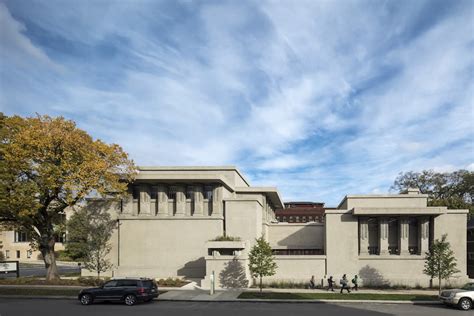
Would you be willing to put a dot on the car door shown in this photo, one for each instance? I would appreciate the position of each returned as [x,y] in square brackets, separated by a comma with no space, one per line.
[127,287]
[109,290]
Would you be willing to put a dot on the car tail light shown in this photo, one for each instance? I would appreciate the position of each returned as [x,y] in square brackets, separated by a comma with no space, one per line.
[141,290]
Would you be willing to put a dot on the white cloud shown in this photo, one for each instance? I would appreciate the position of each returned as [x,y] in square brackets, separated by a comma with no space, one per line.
[316,98]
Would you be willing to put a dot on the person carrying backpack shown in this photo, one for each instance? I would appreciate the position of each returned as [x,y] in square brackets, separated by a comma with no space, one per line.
[344,284]
[355,281]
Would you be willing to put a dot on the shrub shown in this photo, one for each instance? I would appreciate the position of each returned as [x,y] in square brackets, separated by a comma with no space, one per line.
[91,281]
[226,238]
[62,255]
[288,285]
[172,282]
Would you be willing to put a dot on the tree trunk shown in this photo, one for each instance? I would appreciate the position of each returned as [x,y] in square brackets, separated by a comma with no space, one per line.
[260,284]
[47,250]
[439,284]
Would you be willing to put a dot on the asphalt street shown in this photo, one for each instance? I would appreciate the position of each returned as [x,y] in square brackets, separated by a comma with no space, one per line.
[47,307]
[40,271]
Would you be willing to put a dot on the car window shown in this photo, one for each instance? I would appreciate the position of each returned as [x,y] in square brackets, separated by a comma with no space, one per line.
[148,283]
[111,283]
[127,283]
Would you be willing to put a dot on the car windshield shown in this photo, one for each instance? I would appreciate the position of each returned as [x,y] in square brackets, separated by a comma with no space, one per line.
[468,286]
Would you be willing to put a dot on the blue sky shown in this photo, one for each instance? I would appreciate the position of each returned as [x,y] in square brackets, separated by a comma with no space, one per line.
[318,98]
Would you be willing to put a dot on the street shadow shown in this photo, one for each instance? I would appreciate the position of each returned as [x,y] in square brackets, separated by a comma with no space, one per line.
[372,277]
[233,275]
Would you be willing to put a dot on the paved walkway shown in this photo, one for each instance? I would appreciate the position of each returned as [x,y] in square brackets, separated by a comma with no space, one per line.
[231,295]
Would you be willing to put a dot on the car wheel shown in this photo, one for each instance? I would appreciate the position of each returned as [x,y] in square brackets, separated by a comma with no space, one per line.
[465,304]
[130,300]
[86,299]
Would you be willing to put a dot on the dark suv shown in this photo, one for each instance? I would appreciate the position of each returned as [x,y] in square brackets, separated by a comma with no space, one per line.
[129,291]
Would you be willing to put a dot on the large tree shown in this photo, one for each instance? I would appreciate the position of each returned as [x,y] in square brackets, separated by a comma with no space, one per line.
[452,189]
[48,164]
[440,261]
[89,230]
[261,260]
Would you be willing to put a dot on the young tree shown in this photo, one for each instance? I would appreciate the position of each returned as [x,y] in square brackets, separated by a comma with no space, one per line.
[440,261]
[89,232]
[48,164]
[261,260]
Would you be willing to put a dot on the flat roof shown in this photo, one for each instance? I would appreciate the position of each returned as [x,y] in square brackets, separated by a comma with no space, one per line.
[194,168]
[375,196]
[271,192]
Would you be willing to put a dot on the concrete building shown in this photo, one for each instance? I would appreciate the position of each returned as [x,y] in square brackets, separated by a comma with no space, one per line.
[168,223]
[167,226]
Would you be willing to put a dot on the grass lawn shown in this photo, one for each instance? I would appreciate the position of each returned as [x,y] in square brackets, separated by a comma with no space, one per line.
[336,296]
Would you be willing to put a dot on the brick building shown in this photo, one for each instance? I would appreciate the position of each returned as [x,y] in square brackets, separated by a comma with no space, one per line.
[301,212]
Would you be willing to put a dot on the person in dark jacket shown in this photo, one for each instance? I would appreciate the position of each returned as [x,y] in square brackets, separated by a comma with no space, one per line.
[312,283]
[330,284]
[355,281]
[344,284]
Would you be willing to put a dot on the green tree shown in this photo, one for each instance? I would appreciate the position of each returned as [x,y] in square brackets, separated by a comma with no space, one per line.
[454,190]
[89,232]
[440,261]
[261,260]
[48,164]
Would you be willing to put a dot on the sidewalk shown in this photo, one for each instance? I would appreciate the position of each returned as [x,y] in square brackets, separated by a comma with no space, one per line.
[232,296]
[195,294]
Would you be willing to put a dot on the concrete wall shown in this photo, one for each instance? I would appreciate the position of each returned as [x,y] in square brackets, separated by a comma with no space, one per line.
[450,224]
[296,235]
[298,268]
[166,247]
[385,201]
[342,248]
[243,218]
[230,272]
[392,270]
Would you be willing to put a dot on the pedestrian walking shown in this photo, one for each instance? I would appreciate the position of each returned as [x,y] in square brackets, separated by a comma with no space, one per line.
[355,281]
[330,284]
[312,283]
[344,284]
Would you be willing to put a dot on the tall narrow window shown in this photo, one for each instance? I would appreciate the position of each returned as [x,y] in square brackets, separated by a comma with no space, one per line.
[373,236]
[413,235]
[136,192]
[172,193]
[208,192]
[393,236]
[189,192]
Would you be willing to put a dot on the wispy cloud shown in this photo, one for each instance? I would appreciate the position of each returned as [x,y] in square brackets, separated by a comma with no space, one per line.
[320,98]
